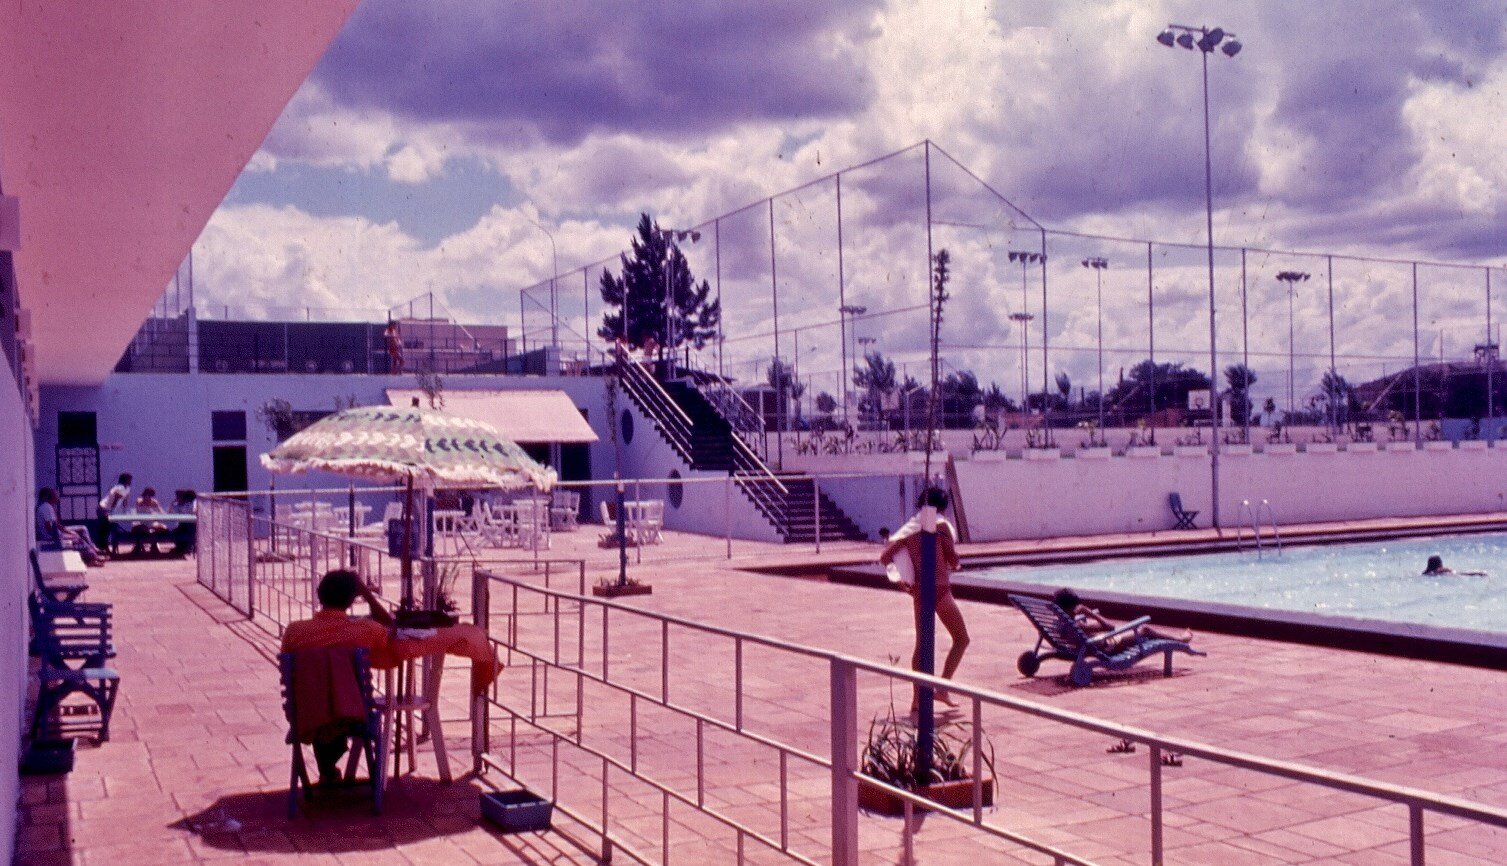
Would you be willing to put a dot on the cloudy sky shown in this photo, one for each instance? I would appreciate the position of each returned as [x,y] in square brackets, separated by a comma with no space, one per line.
[438,146]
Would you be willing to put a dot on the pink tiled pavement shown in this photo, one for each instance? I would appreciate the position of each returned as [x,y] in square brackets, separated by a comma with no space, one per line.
[198,740]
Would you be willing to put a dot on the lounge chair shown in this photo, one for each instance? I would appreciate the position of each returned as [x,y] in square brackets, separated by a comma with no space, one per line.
[1067,640]
[1183,516]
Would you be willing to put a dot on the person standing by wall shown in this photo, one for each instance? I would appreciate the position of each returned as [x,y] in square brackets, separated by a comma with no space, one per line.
[394,348]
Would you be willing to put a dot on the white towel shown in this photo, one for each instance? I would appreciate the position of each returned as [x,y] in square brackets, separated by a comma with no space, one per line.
[901,569]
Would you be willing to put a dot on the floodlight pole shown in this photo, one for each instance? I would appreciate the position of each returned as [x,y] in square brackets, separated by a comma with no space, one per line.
[1208,40]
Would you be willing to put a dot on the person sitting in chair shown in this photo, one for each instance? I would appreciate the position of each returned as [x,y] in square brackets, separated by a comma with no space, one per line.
[1092,623]
[333,626]
[53,535]
[148,533]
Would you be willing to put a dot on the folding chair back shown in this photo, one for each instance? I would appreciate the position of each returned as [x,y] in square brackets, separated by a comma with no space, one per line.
[1183,516]
[54,592]
[341,668]
[65,634]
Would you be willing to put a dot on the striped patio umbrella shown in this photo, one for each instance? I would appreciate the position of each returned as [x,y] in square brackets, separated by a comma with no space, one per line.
[422,448]
[426,447]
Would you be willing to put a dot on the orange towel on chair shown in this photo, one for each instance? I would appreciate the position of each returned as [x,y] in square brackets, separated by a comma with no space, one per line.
[325,692]
[466,641]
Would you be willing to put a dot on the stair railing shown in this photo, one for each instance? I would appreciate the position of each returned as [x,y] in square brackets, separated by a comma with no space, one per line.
[650,396]
[745,420]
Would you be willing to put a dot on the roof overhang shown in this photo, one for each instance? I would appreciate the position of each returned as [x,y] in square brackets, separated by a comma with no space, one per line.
[122,126]
[529,417]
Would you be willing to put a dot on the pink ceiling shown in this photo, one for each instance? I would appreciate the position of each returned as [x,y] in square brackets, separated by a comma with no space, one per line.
[122,126]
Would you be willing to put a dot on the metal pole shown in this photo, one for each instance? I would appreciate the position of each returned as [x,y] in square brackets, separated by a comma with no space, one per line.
[1213,346]
[721,311]
[1245,352]
[1334,414]
[1417,375]
[774,289]
[844,694]
[1291,350]
[1099,304]
[1046,372]
[1491,356]
[933,311]
[1151,337]
[842,304]
[926,640]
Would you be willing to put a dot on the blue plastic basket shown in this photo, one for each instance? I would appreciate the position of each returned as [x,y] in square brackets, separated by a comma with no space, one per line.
[517,811]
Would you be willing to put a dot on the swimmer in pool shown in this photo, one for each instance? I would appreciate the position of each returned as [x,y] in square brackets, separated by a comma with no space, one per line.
[1436,567]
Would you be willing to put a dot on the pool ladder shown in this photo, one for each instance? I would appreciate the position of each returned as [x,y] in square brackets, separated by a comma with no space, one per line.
[1255,515]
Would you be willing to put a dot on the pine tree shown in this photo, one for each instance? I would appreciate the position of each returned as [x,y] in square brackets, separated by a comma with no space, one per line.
[693,316]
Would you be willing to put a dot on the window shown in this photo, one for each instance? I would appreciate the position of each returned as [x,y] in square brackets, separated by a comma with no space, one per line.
[77,428]
[228,426]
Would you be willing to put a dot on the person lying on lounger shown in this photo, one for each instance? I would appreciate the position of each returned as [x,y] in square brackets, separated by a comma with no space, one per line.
[1092,623]
[1436,567]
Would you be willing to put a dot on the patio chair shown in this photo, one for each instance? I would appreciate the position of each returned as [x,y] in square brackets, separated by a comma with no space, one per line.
[1183,516]
[1066,640]
[650,523]
[564,506]
[333,686]
[64,633]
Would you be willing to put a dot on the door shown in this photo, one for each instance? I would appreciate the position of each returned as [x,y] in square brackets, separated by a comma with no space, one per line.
[230,468]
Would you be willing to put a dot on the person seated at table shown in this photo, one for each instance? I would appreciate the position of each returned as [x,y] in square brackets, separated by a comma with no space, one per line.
[186,533]
[333,626]
[118,498]
[1092,623]
[148,533]
[53,535]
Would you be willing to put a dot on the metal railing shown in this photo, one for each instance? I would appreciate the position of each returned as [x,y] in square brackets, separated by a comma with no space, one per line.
[749,471]
[702,700]
[1254,515]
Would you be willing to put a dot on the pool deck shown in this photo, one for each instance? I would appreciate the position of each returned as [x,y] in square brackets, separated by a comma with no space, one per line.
[196,770]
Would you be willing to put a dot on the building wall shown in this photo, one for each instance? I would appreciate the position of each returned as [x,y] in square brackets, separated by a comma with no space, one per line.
[17,493]
[1014,498]
[157,426]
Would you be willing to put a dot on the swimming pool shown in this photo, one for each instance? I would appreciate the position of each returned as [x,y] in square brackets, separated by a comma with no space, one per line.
[1378,580]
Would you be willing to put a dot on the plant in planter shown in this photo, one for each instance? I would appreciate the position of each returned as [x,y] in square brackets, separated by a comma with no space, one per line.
[1236,437]
[889,756]
[1095,437]
[445,612]
[1193,441]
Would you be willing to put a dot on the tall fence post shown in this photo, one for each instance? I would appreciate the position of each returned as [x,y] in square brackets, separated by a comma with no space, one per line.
[816,509]
[481,614]
[844,763]
[250,563]
[727,512]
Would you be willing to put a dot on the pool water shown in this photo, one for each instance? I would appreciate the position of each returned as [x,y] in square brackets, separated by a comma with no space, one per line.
[1377,580]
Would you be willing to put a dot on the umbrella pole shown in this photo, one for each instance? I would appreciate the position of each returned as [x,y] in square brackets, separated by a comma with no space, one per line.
[406,565]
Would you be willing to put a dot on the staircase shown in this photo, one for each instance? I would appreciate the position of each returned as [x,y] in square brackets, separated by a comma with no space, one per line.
[707,442]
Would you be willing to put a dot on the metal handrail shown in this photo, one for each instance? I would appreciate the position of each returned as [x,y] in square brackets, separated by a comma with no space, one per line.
[844,669]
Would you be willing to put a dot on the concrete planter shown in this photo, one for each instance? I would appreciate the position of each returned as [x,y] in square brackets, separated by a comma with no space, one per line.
[1143,451]
[1096,453]
[988,457]
[953,795]
[1321,448]
[1191,450]
[1401,447]
[1361,448]
[1236,450]
[1280,448]
[1042,454]
[1438,446]
[1473,445]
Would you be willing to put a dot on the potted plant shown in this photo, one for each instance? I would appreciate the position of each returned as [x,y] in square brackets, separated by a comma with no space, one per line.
[1279,441]
[1322,443]
[618,536]
[1039,446]
[889,756]
[1142,441]
[1191,446]
[1094,446]
[1236,444]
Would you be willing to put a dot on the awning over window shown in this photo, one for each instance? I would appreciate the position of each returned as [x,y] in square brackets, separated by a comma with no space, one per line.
[522,416]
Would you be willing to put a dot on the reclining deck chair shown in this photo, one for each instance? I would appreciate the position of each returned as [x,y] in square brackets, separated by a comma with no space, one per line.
[333,687]
[1068,641]
[1183,516]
